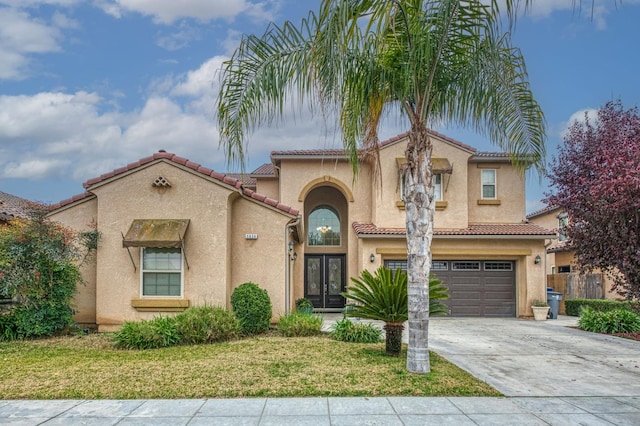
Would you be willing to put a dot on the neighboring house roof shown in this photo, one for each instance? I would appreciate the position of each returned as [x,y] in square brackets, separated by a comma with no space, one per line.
[369,230]
[265,170]
[340,154]
[227,179]
[12,207]
[542,211]
[557,246]
[246,179]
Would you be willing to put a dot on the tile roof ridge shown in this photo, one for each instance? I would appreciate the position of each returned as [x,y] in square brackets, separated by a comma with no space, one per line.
[71,200]
[543,210]
[162,155]
[381,144]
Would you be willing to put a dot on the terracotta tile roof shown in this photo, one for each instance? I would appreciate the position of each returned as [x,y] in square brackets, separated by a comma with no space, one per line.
[485,154]
[244,178]
[542,211]
[12,206]
[557,246]
[227,179]
[84,195]
[339,153]
[474,229]
[310,153]
[267,169]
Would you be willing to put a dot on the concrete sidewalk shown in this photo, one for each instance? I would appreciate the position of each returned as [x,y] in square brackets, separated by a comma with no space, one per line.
[458,411]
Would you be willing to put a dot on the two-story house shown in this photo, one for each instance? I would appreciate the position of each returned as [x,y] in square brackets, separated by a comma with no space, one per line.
[175,233]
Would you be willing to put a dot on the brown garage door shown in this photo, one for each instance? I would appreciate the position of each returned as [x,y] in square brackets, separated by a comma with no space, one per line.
[477,288]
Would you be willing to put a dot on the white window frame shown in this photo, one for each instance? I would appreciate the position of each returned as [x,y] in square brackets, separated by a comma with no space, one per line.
[489,172]
[143,271]
[437,187]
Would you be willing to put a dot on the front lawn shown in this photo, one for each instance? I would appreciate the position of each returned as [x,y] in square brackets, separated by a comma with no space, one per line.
[88,367]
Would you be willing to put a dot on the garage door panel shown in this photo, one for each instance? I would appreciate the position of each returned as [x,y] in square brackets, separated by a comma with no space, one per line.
[478,288]
[480,293]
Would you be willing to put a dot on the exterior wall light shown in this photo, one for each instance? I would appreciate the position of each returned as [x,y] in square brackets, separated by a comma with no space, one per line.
[292,255]
[372,258]
[537,260]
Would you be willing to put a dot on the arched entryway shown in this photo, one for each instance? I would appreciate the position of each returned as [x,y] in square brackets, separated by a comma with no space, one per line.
[326,247]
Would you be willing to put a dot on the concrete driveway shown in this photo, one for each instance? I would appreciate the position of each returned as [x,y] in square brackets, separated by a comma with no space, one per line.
[539,358]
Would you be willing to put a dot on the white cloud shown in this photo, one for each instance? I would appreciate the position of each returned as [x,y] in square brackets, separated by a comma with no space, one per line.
[21,36]
[200,82]
[34,169]
[168,11]
[579,117]
[61,20]
[35,3]
[178,39]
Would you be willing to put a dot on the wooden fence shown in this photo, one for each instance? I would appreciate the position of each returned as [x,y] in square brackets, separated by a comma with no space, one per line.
[576,286]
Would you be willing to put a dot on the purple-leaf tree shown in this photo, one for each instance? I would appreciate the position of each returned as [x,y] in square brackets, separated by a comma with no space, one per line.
[596,179]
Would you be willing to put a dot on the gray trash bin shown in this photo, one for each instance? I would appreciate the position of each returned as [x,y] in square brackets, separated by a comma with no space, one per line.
[553,299]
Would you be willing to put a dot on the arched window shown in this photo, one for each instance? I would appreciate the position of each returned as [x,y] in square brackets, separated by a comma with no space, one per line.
[323,227]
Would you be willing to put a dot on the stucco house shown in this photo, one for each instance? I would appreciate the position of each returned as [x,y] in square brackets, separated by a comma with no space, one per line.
[175,233]
[560,254]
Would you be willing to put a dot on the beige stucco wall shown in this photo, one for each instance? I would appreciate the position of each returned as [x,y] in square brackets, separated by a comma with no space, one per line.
[510,192]
[268,187]
[388,208]
[82,217]
[264,260]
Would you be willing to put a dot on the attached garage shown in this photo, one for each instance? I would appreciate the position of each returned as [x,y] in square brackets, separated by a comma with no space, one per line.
[477,288]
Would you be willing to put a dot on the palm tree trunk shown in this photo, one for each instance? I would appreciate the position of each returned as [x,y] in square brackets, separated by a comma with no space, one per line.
[420,210]
[393,338]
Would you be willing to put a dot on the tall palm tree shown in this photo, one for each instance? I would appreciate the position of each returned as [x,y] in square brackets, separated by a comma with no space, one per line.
[432,61]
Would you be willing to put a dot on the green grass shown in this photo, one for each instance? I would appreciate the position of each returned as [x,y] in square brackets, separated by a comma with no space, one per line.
[88,367]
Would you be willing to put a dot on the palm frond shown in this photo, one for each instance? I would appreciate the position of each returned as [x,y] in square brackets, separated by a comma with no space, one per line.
[379,296]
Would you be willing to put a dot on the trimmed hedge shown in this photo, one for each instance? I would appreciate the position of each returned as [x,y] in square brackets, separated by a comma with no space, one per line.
[252,307]
[572,306]
[615,321]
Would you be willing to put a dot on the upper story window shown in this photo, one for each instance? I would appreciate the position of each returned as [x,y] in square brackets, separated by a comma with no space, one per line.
[324,227]
[563,221]
[489,190]
[437,187]
[161,272]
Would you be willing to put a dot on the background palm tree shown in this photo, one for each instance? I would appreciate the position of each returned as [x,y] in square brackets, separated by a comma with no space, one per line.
[431,61]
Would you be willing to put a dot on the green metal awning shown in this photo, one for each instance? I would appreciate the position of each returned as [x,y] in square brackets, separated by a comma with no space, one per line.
[158,233]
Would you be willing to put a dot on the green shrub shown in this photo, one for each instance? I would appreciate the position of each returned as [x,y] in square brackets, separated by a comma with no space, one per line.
[41,320]
[347,331]
[8,330]
[206,324]
[298,324]
[38,270]
[304,306]
[616,321]
[573,306]
[252,307]
[159,332]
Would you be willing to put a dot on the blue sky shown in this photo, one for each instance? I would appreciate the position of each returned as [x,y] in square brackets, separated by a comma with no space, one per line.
[87,86]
